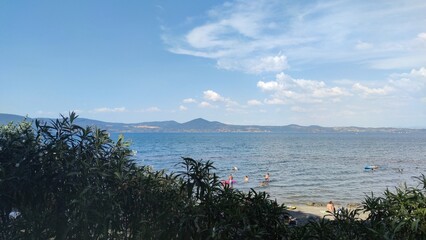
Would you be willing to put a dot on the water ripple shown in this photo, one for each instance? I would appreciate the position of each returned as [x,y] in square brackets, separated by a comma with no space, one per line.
[303,167]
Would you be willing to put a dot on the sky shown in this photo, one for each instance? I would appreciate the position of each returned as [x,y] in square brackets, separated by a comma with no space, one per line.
[328,63]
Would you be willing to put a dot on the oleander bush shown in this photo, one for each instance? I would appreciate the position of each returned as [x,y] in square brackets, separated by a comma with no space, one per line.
[59,180]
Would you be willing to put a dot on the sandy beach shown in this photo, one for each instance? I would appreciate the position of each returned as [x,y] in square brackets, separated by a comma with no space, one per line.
[303,212]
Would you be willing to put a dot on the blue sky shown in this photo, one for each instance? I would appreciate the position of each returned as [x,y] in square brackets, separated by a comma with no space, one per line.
[329,63]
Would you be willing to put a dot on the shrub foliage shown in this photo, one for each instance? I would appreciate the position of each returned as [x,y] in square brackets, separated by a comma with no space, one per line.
[59,180]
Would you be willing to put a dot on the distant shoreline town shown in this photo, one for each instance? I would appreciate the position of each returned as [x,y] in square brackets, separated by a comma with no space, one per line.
[202,125]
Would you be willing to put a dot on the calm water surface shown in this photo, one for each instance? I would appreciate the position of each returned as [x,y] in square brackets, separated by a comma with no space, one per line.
[303,167]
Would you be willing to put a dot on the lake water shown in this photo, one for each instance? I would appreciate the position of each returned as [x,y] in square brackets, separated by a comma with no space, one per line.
[303,167]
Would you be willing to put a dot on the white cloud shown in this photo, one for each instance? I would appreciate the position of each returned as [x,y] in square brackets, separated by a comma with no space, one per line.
[324,92]
[367,91]
[414,81]
[213,99]
[399,87]
[182,108]
[419,73]
[285,88]
[422,36]
[269,86]
[109,110]
[213,96]
[189,100]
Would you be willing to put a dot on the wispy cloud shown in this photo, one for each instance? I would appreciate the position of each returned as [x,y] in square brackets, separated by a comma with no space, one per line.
[264,36]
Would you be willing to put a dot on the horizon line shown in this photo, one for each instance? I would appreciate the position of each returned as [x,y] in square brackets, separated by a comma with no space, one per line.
[201,118]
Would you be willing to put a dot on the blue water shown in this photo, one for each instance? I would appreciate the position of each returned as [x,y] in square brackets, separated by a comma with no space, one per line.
[303,167]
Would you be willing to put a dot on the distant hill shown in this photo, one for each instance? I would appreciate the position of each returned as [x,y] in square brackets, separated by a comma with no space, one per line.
[7,118]
[202,125]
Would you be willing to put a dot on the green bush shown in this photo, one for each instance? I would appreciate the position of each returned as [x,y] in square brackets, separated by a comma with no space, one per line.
[70,182]
[400,214]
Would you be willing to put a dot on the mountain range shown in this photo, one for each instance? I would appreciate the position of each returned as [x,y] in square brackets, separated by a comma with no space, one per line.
[202,125]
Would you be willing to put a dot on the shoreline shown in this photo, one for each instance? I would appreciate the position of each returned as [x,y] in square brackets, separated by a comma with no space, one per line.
[304,212]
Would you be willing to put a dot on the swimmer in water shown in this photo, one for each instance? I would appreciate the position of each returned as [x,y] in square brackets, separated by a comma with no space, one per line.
[267,177]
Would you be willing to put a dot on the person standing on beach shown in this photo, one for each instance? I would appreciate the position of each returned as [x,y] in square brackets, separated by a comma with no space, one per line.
[330,207]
